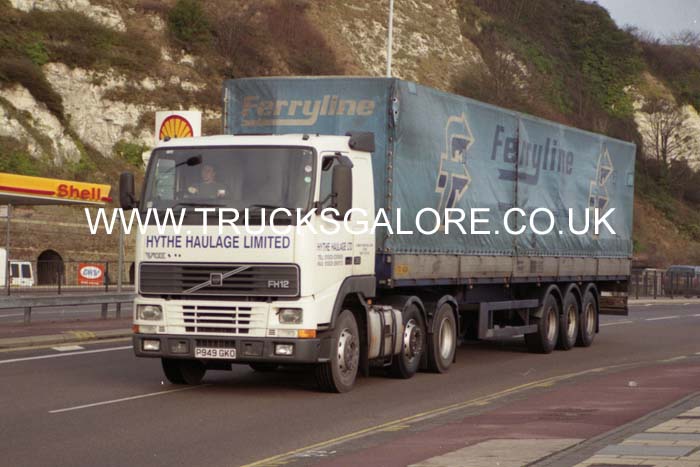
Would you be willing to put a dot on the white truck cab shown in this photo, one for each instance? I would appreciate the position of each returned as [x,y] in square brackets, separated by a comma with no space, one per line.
[265,296]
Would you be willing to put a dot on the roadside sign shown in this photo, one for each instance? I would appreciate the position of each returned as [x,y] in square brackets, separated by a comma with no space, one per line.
[91,274]
[3,211]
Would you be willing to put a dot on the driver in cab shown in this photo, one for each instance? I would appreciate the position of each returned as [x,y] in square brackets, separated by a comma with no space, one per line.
[208,187]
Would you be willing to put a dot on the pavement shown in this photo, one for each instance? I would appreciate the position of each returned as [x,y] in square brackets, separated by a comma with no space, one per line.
[96,404]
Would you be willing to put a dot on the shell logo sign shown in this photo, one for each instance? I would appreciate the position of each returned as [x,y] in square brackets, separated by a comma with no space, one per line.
[90,274]
[183,124]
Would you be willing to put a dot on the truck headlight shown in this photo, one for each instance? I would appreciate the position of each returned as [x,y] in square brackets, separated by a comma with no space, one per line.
[149,312]
[290,315]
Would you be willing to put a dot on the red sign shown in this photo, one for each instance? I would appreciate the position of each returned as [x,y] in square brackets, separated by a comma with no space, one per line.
[91,274]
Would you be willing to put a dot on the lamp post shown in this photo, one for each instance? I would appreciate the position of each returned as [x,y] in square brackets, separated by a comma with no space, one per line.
[389,38]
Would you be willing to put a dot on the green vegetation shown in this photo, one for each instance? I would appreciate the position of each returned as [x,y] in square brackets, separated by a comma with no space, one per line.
[678,65]
[581,61]
[188,22]
[130,152]
[14,158]
[567,60]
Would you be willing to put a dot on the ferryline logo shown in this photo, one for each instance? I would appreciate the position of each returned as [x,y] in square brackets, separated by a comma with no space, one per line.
[301,112]
[427,221]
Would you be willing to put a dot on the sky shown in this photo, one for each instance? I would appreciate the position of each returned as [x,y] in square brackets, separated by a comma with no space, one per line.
[660,17]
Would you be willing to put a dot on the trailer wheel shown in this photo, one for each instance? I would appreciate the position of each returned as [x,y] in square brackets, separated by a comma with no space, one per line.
[442,345]
[263,367]
[339,374]
[568,323]
[405,364]
[589,318]
[544,340]
[183,371]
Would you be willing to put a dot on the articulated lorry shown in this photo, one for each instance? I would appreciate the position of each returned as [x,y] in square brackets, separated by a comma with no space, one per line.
[342,302]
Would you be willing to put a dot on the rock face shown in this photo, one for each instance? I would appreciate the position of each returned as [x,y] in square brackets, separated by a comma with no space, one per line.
[103,15]
[98,121]
[690,135]
[428,46]
[44,122]
[687,136]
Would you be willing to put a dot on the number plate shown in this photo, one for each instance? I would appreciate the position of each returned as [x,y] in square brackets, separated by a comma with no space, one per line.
[206,352]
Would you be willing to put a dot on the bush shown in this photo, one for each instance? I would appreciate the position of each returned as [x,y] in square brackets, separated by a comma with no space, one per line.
[78,41]
[188,22]
[305,48]
[578,66]
[15,159]
[130,152]
[36,52]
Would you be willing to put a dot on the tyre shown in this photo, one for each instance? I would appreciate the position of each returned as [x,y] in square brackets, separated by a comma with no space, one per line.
[442,344]
[171,369]
[588,321]
[183,371]
[406,363]
[262,367]
[545,338]
[340,372]
[568,322]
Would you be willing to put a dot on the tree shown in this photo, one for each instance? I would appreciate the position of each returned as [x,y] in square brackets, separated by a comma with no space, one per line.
[686,37]
[662,132]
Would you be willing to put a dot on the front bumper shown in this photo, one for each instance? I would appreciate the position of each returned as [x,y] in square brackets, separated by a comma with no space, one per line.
[248,350]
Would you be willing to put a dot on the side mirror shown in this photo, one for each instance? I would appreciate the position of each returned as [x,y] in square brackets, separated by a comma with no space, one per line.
[342,187]
[127,197]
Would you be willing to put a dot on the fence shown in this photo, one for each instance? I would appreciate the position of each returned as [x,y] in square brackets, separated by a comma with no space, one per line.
[654,283]
[57,277]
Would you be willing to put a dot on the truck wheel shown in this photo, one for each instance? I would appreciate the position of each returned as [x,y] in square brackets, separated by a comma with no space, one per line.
[183,371]
[339,374]
[405,364]
[171,368]
[442,345]
[589,317]
[569,322]
[262,367]
[544,340]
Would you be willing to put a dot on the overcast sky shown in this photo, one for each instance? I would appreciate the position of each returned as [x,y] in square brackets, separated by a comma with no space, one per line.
[660,17]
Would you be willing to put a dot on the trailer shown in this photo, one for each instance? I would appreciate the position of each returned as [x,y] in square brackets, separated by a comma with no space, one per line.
[390,150]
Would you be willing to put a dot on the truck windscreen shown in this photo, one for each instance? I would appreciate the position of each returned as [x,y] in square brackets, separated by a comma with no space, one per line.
[232,177]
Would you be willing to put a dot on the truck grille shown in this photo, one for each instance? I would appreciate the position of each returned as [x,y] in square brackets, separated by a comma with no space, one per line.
[221,280]
[219,319]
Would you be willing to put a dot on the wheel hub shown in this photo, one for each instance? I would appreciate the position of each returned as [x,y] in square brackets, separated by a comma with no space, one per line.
[347,352]
[412,340]
[571,315]
[446,338]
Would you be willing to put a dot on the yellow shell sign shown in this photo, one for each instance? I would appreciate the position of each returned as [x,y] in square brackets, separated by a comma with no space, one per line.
[175,126]
[178,124]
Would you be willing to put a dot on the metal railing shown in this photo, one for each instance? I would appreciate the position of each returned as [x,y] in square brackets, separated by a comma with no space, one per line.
[655,283]
[102,299]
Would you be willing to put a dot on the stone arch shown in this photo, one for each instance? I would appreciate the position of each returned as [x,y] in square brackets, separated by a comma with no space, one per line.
[49,267]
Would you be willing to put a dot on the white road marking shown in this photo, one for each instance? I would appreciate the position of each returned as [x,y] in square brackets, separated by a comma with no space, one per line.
[649,304]
[696,315]
[686,304]
[68,348]
[124,399]
[617,322]
[12,315]
[662,317]
[69,354]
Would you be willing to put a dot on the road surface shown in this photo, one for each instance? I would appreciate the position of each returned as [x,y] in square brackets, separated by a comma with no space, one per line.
[99,405]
